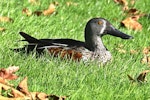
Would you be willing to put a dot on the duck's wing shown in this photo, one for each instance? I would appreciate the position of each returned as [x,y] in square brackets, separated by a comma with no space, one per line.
[40,44]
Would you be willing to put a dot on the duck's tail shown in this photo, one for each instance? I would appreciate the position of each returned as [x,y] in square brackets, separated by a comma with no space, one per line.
[29,38]
[33,44]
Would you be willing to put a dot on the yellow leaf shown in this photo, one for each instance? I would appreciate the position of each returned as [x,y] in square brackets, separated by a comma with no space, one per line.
[50,10]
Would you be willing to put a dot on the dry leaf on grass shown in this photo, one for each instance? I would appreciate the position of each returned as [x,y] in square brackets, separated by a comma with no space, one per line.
[145,60]
[141,77]
[124,3]
[46,12]
[54,97]
[132,2]
[133,51]
[50,10]
[42,96]
[14,92]
[5,19]
[131,23]
[146,50]
[133,11]
[3,81]
[38,13]
[120,48]
[21,93]
[2,29]
[8,73]
[26,12]
[23,87]
[131,78]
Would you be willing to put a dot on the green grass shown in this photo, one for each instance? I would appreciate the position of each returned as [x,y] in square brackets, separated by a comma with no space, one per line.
[79,81]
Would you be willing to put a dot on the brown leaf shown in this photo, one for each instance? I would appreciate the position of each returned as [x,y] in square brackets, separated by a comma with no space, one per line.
[23,87]
[54,97]
[26,12]
[38,13]
[146,50]
[12,69]
[122,2]
[15,92]
[3,81]
[2,29]
[50,10]
[55,3]
[131,23]
[8,73]
[133,11]
[141,77]
[145,60]
[133,51]
[132,2]
[5,19]
[130,78]
[42,96]
[121,50]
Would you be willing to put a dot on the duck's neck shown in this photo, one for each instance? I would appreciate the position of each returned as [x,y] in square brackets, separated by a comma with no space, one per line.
[95,44]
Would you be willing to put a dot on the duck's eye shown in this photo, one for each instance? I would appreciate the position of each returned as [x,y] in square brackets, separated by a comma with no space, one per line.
[100,22]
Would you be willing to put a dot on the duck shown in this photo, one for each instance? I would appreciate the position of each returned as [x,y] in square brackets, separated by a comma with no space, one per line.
[92,49]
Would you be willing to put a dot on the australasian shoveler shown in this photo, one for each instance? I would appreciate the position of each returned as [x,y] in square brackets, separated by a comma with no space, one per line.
[91,49]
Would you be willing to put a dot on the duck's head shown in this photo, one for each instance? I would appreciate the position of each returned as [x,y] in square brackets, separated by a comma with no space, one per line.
[98,27]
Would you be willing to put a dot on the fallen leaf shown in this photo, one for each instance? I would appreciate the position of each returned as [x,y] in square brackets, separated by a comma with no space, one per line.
[146,50]
[12,69]
[33,95]
[8,73]
[3,81]
[42,96]
[132,2]
[38,13]
[50,10]
[122,2]
[133,51]
[2,29]
[23,87]
[54,97]
[141,77]
[145,59]
[5,19]
[26,12]
[131,23]
[55,3]
[121,50]
[125,8]
[14,91]
[130,78]
[133,11]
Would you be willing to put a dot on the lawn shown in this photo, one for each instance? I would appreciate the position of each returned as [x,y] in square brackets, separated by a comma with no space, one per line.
[77,80]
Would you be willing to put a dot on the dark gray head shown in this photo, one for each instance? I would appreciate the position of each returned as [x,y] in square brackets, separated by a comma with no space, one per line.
[98,27]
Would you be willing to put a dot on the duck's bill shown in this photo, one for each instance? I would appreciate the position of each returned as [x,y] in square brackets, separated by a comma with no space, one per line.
[118,33]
